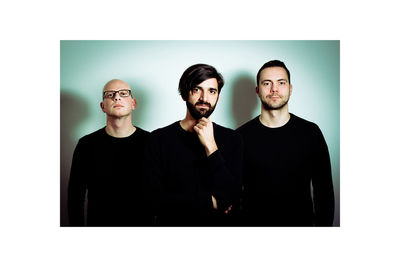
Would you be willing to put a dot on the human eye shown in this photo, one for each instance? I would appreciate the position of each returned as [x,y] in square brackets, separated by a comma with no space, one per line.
[213,91]
[109,94]
[124,93]
[195,90]
[282,82]
[266,83]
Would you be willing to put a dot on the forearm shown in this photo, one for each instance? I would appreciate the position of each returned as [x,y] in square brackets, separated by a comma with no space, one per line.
[324,199]
[224,180]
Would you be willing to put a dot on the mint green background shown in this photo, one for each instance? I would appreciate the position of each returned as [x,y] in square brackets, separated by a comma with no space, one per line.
[153,69]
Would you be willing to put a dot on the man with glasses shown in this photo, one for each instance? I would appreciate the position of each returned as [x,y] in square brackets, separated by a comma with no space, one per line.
[106,166]
[195,164]
[284,156]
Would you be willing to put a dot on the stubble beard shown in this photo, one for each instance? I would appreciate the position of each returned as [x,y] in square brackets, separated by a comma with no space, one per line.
[277,106]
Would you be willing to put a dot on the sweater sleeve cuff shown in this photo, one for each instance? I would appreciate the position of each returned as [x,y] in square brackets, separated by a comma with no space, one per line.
[204,201]
[215,160]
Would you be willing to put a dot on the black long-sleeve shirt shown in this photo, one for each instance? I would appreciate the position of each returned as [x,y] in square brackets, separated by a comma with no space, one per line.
[183,178]
[108,170]
[280,164]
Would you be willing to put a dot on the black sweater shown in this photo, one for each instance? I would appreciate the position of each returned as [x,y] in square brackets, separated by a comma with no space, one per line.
[183,178]
[280,164]
[108,169]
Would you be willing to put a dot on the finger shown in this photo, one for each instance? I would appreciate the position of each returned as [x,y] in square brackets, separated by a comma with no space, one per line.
[200,126]
[202,123]
[196,129]
[205,120]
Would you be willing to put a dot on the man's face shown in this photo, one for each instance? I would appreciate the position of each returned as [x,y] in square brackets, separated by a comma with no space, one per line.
[273,88]
[203,98]
[119,105]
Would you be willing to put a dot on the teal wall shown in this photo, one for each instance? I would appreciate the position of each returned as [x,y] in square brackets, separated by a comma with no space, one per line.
[153,69]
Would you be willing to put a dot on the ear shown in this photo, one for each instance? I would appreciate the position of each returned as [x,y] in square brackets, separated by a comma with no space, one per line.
[257,91]
[134,103]
[102,107]
[291,89]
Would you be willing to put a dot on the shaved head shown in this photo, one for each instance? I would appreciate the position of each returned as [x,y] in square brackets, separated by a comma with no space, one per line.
[118,105]
[116,84]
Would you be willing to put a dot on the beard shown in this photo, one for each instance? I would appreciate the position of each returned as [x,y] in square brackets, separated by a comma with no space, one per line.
[275,106]
[198,114]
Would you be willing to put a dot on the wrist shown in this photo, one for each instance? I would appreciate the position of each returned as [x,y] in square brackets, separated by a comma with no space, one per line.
[211,149]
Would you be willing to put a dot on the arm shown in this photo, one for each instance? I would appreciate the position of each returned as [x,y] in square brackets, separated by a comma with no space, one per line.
[323,195]
[224,176]
[77,187]
[224,170]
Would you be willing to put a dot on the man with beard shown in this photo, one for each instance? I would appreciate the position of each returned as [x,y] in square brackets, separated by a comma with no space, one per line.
[283,156]
[106,166]
[194,164]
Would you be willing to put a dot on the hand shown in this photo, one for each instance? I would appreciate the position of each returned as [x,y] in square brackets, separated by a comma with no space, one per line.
[214,202]
[215,206]
[205,131]
[228,209]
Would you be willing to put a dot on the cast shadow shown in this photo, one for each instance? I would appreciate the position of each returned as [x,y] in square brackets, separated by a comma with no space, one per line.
[139,114]
[244,99]
[73,112]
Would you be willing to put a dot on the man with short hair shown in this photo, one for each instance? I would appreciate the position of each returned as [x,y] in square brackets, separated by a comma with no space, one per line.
[194,164]
[106,166]
[284,155]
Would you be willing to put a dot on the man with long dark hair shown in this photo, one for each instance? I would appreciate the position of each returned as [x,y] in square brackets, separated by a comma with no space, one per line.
[195,164]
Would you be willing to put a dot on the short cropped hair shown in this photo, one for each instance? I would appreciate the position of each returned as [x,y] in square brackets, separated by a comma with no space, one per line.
[273,63]
[195,75]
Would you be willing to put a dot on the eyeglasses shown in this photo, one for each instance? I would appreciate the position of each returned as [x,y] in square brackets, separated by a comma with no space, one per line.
[111,93]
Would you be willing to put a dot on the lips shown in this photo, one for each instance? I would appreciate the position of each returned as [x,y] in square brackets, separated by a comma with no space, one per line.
[203,105]
[275,97]
[118,106]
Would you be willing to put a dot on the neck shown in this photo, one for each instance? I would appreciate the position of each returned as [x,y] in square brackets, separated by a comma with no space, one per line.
[188,122]
[120,127]
[274,118]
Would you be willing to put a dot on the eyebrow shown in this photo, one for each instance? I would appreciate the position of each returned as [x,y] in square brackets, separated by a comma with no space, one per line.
[268,80]
[111,90]
[199,87]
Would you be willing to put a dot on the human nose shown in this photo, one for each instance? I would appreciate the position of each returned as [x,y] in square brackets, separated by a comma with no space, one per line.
[274,87]
[116,96]
[203,96]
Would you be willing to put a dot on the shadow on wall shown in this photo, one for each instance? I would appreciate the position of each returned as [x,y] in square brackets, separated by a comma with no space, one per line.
[244,99]
[139,114]
[73,112]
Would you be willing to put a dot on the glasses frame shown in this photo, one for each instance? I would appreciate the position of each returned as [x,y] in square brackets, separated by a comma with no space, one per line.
[115,92]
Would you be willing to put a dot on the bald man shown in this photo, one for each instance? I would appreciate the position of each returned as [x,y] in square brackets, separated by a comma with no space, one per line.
[106,166]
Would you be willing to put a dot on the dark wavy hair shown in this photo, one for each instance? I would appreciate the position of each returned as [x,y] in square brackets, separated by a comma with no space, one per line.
[273,63]
[195,75]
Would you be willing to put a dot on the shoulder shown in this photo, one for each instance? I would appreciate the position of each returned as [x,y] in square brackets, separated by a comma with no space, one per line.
[304,126]
[248,125]
[225,133]
[93,137]
[166,131]
[140,132]
[303,123]
[222,129]
[90,140]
